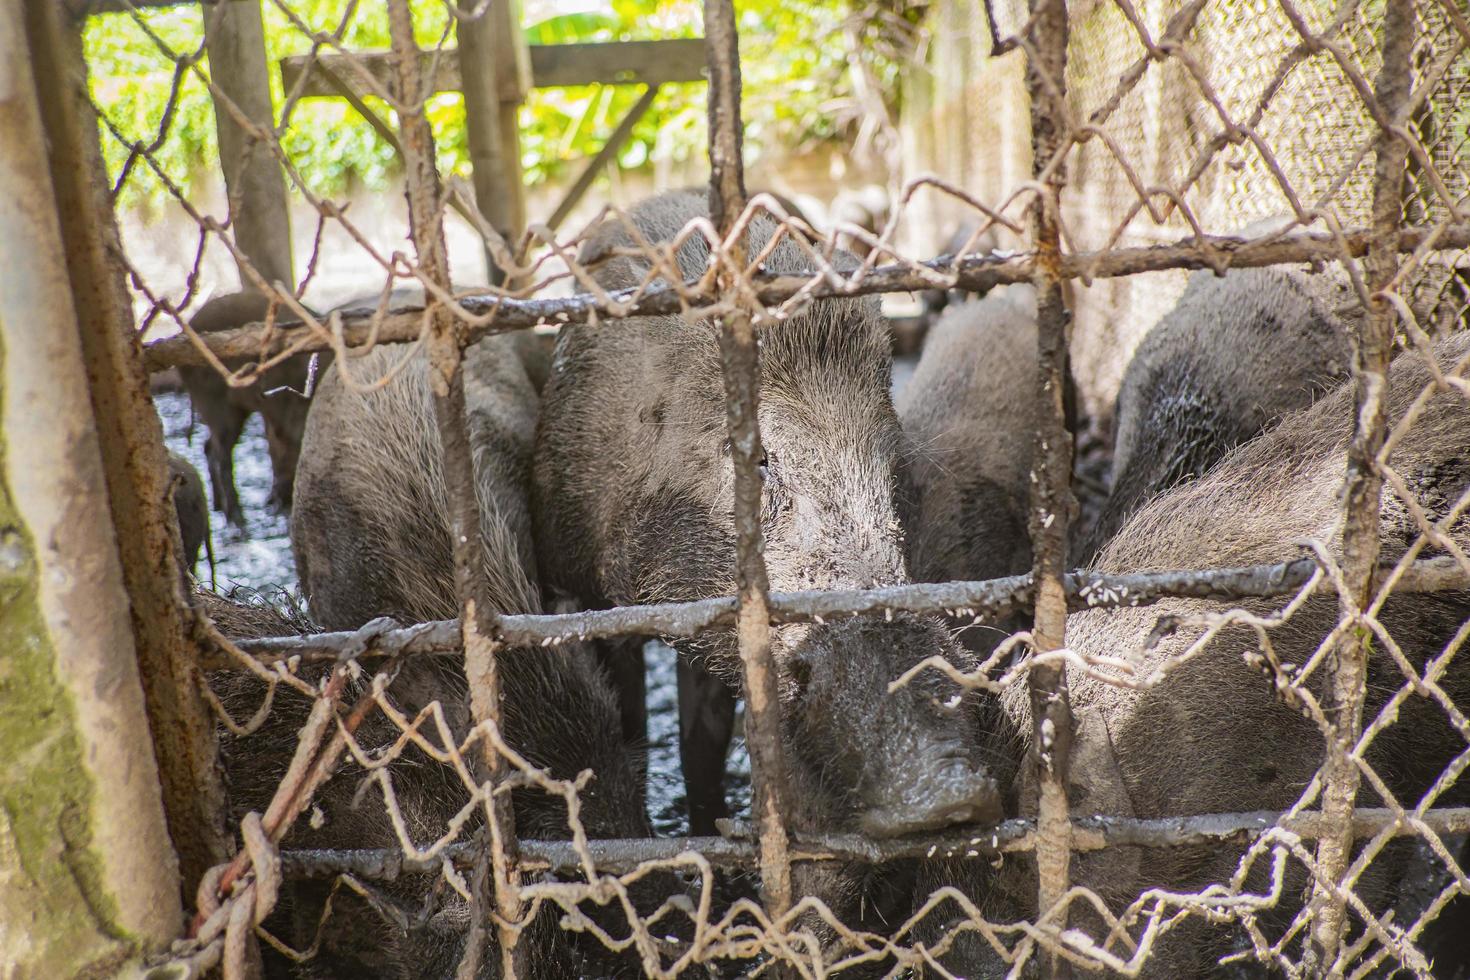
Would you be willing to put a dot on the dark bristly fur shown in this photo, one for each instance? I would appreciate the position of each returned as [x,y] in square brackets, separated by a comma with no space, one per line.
[969,413]
[371,535]
[1234,356]
[1213,737]
[633,503]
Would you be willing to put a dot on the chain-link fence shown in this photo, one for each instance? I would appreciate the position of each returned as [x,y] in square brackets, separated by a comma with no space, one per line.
[1236,739]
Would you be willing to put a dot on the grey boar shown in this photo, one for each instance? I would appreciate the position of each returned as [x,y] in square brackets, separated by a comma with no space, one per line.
[1213,736]
[633,503]
[1233,356]
[969,412]
[371,535]
[969,415]
[279,396]
[190,507]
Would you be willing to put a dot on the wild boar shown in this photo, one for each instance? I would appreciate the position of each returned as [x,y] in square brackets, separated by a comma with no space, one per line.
[190,507]
[633,503]
[969,413]
[371,534]
[412,926]
[533,347]
[1233,356]
[1213,735]
[279,396]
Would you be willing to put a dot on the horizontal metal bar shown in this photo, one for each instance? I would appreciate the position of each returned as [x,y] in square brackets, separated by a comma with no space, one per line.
[976,273]
[996,598]
[1090,833]
[552,66]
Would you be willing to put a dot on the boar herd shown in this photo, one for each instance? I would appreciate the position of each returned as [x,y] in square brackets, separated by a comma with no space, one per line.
[603,478]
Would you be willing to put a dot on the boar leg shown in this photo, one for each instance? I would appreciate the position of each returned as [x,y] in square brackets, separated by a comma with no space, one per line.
[706,722]
[622,660]
[284,447]
[225,426]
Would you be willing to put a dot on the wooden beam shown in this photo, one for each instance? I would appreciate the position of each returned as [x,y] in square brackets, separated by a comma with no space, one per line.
[552,66]
[86,8]
[259,212]
[494,147]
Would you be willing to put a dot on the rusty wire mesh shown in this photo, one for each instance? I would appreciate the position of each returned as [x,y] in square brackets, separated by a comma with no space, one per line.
[1160,131]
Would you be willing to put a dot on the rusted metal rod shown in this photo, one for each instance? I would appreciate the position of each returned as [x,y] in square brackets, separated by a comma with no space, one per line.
[740,364]
[977,273]
[1363,485]
[495,881]
[1052,505]
[996,598]
[1090,833]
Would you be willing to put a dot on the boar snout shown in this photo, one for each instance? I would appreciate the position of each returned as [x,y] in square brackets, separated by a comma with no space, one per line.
[930,793]
[904,760]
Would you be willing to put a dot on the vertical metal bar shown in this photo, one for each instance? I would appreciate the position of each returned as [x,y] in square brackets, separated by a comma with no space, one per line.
[494,152]
[1363,484]
[133,456]
[1052,505]
[446,378]
[254,182]
[741,362]
[89,877]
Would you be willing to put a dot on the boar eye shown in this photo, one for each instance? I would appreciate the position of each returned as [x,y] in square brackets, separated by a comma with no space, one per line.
[764,466]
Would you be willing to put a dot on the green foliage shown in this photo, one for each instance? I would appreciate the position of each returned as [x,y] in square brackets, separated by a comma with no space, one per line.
[794,54]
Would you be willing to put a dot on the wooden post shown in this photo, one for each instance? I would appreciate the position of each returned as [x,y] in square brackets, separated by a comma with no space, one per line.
[513,70]
[490,50]
[259,214]
[133,456]
[740,367]
[88,881]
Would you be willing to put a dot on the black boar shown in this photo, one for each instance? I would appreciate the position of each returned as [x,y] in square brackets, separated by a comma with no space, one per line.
[371,536]
[633,503]
[1213,736]
[1234,355]
[279,396]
